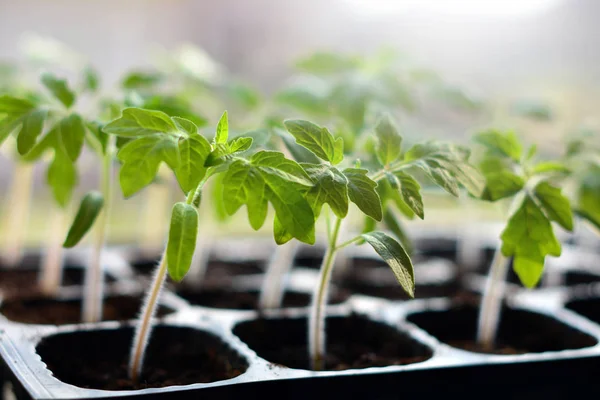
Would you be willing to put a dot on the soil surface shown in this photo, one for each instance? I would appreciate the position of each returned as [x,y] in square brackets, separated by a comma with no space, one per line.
[48,311]
[175,356]
[352,342]
[23,282]
[520,331]
[215,270]
[243,300]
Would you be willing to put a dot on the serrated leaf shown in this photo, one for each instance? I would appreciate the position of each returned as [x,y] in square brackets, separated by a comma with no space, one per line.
[33,124]
[222,133]
[389,141]
[316,139]
[193,151]
[245,185]
[240,144]
[59,89]
[182,240]
[410,190]
[141,159]
[501,184]
[71,135]
[329,186]
[62,177]
[186,126]
[529,238]
[89,209]
[361,190]
[396,257]
[276,163]
[506,144]
[555,204]
[140,122]
[300,153]
[280,234]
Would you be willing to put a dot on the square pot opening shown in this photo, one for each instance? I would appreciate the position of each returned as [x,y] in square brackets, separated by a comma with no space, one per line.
[588,307]
[49,311]
[215,269]
[572,278]
[520,331]
[98,359]
[352,342]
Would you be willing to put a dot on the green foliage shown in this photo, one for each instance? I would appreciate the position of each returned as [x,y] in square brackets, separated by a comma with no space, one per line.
[182,240]
[89,209]
[59,89]
[317,139]
[361,191]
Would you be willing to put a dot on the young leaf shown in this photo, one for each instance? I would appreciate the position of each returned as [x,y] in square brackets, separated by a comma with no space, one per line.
[89,209]
[316,139]
[140,122]
[329,186]
[556,206]
[71,136]
[411,193]
[529,237]
[182,240]
[15,106]
[300,154]
[222,130]
[361,190]
[59,89]
[389,141]
[396,257]
[501,184]
[240,144]
[550,166]
[91,79]
[62,177]
[141,159]
[33,124]
[193,151]
[506,144]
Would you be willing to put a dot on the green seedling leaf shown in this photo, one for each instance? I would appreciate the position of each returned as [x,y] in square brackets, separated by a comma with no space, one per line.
[217,156]
[89,209]
[91,80]
[71,136]
[410,190]
[270,177]
[501,184]
[62,177]
[141,80]
[389,141]
[15,106]
[141,159]
[555,204]
[173,106]
[329,186]
[193,151]
[182,240]
[505,144]
[222,130]
[33,124]
[239,145]
[529,238]
[588,196]
[139,122]
[300,154]
[361,190]
[281,235]
[59,89]
[317,139]
[550,166]
[396,257]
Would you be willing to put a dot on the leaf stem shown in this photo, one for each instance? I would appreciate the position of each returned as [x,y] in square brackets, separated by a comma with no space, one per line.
[94,276]
[281,262]
[491,303]
[348,242]
[52,260]
[316,325]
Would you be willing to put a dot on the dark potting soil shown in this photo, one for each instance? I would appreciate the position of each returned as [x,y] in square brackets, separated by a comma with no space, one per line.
[175,356]
[352,342]
[588,307]
[580,277]
[23,282]
[215,270]
[519,332]
[49,311]
[243,300]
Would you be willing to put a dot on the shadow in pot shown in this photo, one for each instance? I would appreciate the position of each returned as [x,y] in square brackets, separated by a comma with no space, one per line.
[226,298]
[572,278]
[48,311]
[352,342]
[215,270]
[98,359]
[520,331]
[588,307]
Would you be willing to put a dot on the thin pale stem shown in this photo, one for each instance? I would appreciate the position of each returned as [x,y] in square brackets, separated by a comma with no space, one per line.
[280,264]
[17,213]
[316,323]
[52,261]
[144,326]
[94,276]
[491,304]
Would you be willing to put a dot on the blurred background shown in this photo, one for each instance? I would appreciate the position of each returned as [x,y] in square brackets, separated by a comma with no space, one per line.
[499,53]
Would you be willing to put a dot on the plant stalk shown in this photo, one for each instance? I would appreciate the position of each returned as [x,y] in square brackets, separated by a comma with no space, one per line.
[491,303]
[316,323]
[17,213]
[94,276]
[280,264]
[143,328]
[52,261]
